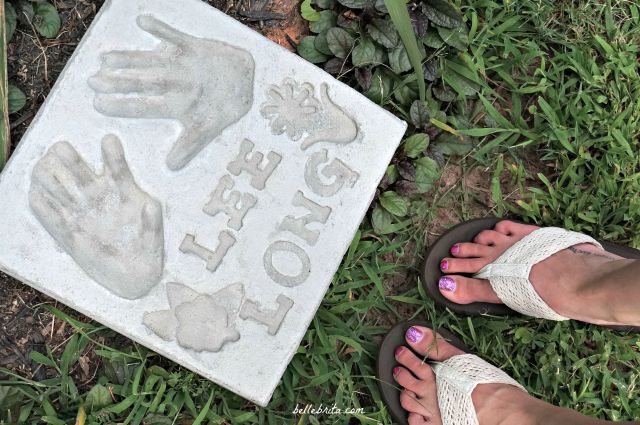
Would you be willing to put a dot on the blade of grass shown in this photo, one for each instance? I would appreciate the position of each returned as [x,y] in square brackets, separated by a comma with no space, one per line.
[400,18]
[4,90]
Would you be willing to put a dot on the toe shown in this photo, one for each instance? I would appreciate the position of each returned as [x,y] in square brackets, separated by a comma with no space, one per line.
[465,290]
[412,403]
[416,365]
[510,228]
[489,237]
[470,249]
[426,342]
[462,265]
[417,419]
[409,382]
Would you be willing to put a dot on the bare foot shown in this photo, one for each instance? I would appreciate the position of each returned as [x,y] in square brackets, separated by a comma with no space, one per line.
[494,403]
[567,281]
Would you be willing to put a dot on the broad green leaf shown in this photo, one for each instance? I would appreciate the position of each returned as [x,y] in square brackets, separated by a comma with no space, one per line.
[325,4]
[308,12]
[98,398]
[355,4]
[401,20]
[307,49]
[432,39]
[381,86]
[442,13]
[381,7]
[430,68]
[416,144]
[25,12]
[11,20]
[394,203]
[367,52]
[46,19]
[419,114]
[340,42]
[16,99]
[321,45]
[444,94]
[392,173]
[381,221]
[399,60]
[456,37]
[427,173]
[328,19]
[384,33]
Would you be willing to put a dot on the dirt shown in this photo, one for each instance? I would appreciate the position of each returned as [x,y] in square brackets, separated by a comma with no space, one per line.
[34,64]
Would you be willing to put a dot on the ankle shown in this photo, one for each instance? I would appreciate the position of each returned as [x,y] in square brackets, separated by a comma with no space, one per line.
[609,289]
[513,405]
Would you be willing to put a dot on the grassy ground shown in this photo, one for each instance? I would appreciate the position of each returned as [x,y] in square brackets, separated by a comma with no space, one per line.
[560,93]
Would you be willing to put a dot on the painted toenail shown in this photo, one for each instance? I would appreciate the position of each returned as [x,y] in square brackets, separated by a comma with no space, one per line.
[398,351]
[414,335]
[447,284]
[455,249]
[396,370]
[444,264]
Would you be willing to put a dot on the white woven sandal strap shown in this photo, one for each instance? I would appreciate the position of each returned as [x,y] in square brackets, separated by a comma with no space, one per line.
[509,274]
[456,378]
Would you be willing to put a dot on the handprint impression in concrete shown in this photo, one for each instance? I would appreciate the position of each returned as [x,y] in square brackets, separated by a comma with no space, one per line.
[106,223]
[205,84]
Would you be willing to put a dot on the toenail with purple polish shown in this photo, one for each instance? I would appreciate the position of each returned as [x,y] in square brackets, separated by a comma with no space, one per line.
[447,284]
[455,249]
[414,335]
[398,351]
[444,265]
[396,370]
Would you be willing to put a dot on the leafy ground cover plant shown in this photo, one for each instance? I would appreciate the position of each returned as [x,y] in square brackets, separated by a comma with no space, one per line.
[363,44]
[36,15]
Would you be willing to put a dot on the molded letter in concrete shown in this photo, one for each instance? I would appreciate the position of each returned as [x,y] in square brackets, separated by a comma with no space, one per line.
[279,277]
[252,165]
[337,170]
[298,225]
[213,258]
[273,319]
[236,205]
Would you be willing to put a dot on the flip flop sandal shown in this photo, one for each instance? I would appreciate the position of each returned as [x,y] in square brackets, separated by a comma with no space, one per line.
[456,378]
[509,273]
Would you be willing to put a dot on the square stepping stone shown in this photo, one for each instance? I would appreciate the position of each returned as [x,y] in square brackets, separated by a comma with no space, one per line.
[193,186]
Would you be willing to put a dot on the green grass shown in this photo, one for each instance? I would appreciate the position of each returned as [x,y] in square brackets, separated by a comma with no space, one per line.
[560,99]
